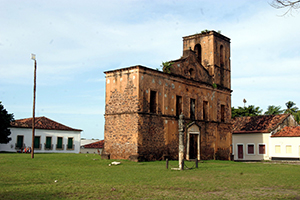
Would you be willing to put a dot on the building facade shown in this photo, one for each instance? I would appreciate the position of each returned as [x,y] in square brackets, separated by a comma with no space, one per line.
[50,137]
[143,105]
[285,144]
[252,137]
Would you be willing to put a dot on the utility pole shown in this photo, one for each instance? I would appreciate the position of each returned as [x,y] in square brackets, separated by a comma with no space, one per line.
[33,111]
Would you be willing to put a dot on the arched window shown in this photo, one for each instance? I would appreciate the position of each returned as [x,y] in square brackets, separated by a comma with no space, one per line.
[222,62]
[192,73]
[198,51]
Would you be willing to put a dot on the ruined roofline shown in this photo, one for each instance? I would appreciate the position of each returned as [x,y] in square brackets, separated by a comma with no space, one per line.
[158,72]
[212,32]
[128,68]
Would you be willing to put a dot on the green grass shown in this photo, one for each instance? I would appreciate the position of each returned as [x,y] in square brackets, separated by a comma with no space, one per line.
[86,176]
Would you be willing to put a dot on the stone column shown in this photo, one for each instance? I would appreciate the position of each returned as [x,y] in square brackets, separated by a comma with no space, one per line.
[181,139]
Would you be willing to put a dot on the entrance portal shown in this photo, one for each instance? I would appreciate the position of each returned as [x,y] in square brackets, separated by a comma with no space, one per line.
[193,142]
[240,151]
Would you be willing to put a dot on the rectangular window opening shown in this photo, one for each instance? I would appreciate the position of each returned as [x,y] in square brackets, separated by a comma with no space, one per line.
[222,113]
[70,143]
[262,149]
[153,102]
[277,149]
[192,109]
[48,144]
[37,142]
[205,110]
[250,148]
[178,105]
[59,144]
[20,140]
[288,148]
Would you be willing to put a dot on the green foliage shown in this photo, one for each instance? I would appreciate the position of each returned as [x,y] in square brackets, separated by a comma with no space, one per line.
[215,86]
[5,120]
[297,116]
[166,67]
[205,31]
[291,107]
[86,176]
[273,110]
[251,110]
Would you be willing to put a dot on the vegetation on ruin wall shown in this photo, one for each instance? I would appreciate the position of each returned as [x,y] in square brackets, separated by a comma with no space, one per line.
[86,176]
[166,67]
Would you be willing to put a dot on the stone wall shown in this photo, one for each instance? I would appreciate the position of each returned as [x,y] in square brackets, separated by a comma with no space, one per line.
[121,136]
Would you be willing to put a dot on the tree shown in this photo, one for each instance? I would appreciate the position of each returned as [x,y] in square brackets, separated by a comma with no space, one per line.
[289,4]
[297,116]
[251,110]
[5,120]
[291,107]
[166,67]
[273,110]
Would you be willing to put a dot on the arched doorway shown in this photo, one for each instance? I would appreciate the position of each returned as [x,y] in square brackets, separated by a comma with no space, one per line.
[193,142]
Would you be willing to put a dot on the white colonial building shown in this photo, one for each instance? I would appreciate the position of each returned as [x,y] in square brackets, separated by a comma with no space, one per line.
[254,138]
[50,137]
[285,144]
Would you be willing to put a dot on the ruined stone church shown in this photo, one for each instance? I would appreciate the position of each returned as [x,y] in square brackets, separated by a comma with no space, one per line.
[143,105]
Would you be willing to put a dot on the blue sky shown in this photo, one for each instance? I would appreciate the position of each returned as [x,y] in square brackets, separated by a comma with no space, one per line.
[75,41]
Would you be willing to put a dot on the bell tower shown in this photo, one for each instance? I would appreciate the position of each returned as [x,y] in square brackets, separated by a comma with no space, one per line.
[213,53]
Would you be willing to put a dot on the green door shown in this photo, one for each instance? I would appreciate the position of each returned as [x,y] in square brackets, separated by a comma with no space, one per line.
[48,142]
[59,143]
[37,140]
[20,139]
[70,143]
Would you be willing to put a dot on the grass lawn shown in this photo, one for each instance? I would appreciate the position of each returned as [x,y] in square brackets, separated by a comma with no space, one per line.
[86,176]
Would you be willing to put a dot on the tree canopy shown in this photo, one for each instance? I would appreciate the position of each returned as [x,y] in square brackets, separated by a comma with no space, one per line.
[291,107]
[273,110]
[251,110]
[5,120]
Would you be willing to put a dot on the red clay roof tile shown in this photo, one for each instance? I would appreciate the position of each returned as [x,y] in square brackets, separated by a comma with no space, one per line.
[95,145]
[41,123]
[288,131]
[257,124]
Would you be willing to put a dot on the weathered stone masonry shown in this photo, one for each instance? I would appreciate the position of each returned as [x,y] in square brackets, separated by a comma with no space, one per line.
[142,104]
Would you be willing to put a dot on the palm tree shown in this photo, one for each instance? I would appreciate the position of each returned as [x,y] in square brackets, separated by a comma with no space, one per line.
[273,110]
[291,107]
[297,116]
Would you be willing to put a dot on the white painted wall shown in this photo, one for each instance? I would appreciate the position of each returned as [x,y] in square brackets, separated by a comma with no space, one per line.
[90,150]
[293,142]
[254,139]
[43,133]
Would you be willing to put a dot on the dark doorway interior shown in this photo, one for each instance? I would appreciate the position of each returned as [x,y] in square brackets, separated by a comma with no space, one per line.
[240,152]
[193,146]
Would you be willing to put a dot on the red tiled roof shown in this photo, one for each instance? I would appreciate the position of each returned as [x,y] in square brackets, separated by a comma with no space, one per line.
[288,131]
[41,123]
[257,124]
[95,145]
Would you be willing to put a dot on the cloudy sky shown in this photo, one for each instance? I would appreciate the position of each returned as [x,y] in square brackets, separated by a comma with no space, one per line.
[75,41]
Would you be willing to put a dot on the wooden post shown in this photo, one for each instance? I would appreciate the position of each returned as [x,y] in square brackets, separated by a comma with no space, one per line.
[196,163]
[167,163]
[33,111]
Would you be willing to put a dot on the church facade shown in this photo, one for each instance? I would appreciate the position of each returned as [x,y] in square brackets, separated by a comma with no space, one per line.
[143,105]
